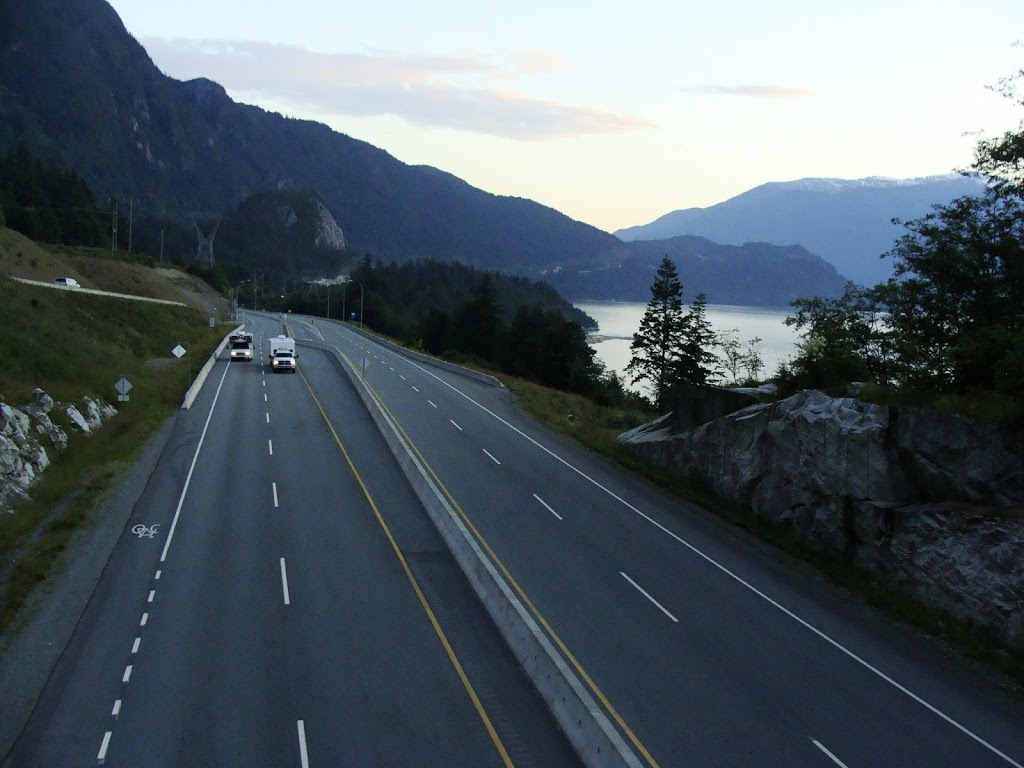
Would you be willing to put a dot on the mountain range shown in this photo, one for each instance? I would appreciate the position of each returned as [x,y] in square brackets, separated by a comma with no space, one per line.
[77,89]
[752,274]
[847,223]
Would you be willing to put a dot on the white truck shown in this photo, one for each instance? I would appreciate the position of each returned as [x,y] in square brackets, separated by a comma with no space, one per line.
[282,354]
[241,347]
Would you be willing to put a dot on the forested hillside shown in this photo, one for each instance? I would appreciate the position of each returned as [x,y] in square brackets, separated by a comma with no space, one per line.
[77,88]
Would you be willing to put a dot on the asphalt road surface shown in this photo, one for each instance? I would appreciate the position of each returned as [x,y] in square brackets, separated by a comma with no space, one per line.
[703,647]
[279,597]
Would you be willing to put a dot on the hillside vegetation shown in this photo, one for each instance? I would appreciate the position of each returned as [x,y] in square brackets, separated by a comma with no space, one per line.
[71,345]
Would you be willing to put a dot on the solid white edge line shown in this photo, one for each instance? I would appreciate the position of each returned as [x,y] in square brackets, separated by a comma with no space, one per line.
[274,486]
[191,469]
[303,753]
[284,583]
[102,754]
[644,592]
[491,457]
[831,757]
[549,509]
[807,625]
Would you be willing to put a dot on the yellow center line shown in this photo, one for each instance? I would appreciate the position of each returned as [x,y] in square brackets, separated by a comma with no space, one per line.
[416,588]
[526,600]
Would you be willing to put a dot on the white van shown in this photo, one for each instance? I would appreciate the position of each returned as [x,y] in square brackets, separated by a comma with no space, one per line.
[67,282]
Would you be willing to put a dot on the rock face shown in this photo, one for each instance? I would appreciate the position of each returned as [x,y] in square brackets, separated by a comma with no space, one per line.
[328,233]
[933,501]
[24,434]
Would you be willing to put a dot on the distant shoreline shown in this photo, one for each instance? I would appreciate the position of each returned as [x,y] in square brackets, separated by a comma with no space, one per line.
[596,338]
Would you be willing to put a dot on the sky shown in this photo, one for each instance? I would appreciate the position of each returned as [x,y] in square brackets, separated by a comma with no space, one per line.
[615,113]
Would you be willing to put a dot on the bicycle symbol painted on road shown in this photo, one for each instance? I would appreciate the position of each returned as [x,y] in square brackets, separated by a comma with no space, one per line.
[145,532]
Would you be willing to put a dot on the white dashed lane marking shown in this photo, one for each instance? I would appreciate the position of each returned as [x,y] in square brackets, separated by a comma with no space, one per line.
[102,754]
[549,509]
[645,594]
[284,583]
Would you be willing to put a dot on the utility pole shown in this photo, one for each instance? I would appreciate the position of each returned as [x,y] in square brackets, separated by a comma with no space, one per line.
[113,227]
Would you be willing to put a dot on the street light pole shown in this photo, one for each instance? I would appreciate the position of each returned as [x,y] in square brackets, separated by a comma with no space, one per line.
[344,317]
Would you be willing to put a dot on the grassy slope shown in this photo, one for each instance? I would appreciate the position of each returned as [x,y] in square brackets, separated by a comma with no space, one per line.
[73,345]
[97,268]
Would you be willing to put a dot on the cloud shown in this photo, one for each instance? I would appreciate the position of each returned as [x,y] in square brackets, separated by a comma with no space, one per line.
[757,91]
[424,89]
[540,63]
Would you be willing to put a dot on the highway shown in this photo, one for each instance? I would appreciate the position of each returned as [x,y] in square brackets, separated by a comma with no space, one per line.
[702,646]
[279,597]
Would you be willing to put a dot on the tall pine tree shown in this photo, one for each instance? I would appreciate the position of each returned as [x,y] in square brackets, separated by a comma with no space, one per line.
[698,364]
[656,346]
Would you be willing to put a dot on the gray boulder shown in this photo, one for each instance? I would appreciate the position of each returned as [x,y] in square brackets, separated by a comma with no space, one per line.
[23,432]
[77,419]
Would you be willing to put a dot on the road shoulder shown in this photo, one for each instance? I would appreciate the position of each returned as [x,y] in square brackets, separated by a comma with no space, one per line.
[31,654]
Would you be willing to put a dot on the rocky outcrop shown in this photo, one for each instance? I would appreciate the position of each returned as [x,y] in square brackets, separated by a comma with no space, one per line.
[26,433]
[933,501]
[328,233]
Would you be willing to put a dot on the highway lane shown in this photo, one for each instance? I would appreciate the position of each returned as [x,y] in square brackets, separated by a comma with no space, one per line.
[277,625]
[712,652]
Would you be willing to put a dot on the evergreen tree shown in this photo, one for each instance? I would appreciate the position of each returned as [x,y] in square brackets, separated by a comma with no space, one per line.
[697,362]
[479,325]
[656,346]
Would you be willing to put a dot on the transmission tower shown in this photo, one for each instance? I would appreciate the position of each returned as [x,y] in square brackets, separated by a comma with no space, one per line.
[204,251]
